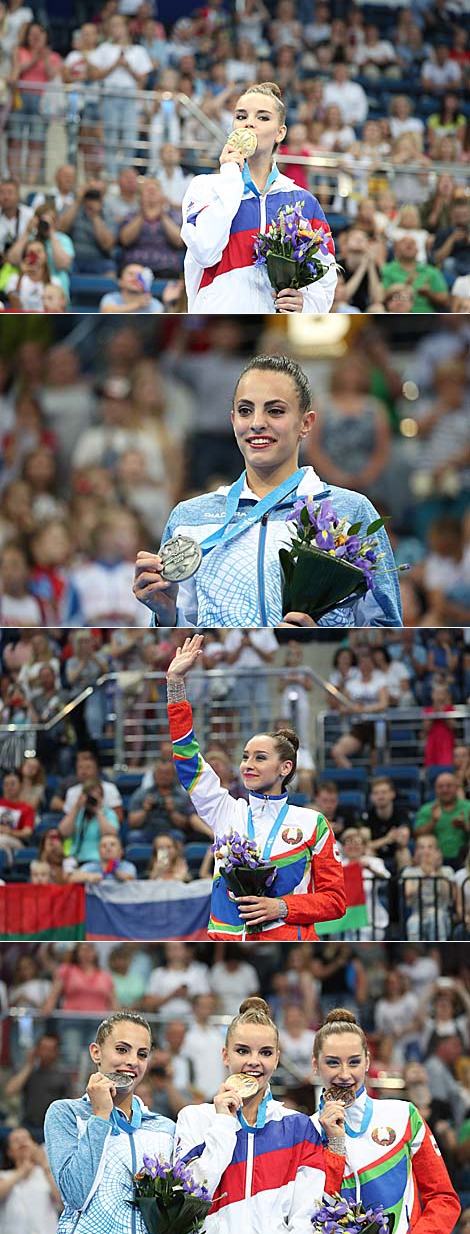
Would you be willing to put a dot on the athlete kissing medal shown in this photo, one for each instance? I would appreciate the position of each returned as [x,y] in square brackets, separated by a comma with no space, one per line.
[244,1085]
[181,557]
[339,1092]
[243,140]
[122,1080]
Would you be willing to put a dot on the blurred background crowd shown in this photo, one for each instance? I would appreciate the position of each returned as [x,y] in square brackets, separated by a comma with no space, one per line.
[412,1001]
[90,795]
[106,113]
[103,428]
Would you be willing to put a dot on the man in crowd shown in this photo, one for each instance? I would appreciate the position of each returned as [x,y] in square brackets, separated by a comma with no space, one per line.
[39,1082]
[447,817]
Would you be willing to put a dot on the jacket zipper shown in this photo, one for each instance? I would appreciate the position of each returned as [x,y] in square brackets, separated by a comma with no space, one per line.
[260,569]
[249,1165]
[134,1171]
[262,227]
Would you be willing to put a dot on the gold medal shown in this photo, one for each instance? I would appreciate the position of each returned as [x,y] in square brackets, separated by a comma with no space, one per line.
[244,140]
[244,1085]
[339,1092]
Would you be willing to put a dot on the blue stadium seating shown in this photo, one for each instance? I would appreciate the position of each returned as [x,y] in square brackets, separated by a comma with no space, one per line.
[194,854]
[140,855]
[22,860]
[86,290]
[347,778]
[351,802]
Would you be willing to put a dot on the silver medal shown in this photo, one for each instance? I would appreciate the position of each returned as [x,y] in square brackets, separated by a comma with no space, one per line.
[181,557]
[122,1080]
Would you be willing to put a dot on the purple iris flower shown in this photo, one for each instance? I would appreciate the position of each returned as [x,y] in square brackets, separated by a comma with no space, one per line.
[326,515]
[324,540]
[353,545]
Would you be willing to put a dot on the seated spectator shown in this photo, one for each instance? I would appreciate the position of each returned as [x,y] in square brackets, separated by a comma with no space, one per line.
[170,175]
[51,853]
[441,1075]
[172,986]
[110,866]
[398,298]
[396,678]
[430,288]
[163,807]
[375,57]
[63,192]
[350,97]
[201,1047]
[410,186]
[296,1043]
[361,271]
[439,733]
[28,988]
[25,290]
[18,605]
[91,231]
[428,894]
[402,118]
[39,873]
[397,1013]
[366,693]
[462,769]
[122,197]
[355,843]
[14,215]
[54,298]
[408,224]
[389,824]
[68,791]
[352,417]
[442,423]
[42,652]
[104,584]
[84,121]
[435,210]
[41,1080]
[16,816]
[81,670]
[46,701]
[440,73]
[326,801]
[28,1186]
[168,860]
[451,250]
[446,1010]
[33,783]
[134,295]
[447,817]
[337,134]
[87,820]
[151,237]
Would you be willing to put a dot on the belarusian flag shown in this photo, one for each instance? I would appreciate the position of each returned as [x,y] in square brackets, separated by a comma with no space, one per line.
[37,912]
[356,915]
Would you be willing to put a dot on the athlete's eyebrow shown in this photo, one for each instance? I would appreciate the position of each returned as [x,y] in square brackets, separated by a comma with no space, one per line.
[272,402]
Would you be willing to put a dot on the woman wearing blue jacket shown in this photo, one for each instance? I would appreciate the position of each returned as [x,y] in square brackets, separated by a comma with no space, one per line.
[242,527]
[97,1143]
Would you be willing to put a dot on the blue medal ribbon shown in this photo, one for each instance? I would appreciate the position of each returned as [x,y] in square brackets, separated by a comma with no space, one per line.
[119,1122]
[225,533]
[366,1117]
[276,827]
[260,1117]
[250,184]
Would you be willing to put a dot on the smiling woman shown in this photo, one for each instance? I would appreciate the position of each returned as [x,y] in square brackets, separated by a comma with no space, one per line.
[222,213]
[96,1144]
[233,578]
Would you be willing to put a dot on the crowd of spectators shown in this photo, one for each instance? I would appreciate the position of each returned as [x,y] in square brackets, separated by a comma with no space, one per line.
[103,430]
[391,772]
[378,99]
[412,1001]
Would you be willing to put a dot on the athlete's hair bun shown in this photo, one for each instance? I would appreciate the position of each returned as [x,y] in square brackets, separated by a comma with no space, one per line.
[340,1015]
[289,735]
[273,87]
[254,1004]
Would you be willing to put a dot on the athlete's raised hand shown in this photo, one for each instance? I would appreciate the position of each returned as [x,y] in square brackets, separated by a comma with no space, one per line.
[186,656]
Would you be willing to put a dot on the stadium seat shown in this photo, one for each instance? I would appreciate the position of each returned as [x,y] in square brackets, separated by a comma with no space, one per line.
[4,862]
[140,855]
[431,776]
[352,802]
[128,782]
[298,799]
[347,778]
[22,860]
[403,777]
[48,821]
[194,854]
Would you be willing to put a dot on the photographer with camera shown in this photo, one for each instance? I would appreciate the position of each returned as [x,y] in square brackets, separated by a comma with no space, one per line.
[59,250]
[87,821]
[89,226]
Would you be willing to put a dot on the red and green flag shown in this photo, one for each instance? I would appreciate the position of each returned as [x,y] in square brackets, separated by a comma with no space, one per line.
[36,912]
[356,915]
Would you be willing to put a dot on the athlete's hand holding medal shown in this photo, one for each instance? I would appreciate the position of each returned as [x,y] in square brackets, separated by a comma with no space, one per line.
[240,145]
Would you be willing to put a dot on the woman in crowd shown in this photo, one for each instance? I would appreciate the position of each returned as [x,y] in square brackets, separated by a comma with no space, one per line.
[97,1143]
[309,881]
[390,1156]
[238,582]
[244,1129]
[28,1194]
[223,212]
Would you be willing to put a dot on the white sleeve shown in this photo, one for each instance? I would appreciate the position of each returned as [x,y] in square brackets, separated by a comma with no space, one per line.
[213,1145]
[318,297]
[309,1186]
[209,205]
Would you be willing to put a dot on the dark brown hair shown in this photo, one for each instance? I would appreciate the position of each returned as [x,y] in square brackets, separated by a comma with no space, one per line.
[340,1020]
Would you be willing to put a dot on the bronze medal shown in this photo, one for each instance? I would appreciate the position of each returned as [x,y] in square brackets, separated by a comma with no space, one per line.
[244,1085]
[339,1092]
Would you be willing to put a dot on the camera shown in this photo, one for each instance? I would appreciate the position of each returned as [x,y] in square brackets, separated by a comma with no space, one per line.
[43,229]
[92,195]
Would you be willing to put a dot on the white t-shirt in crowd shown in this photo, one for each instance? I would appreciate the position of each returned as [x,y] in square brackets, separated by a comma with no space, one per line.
[365,692]
[120,79]
[248,658]
[163,980]
[232,986]
[10,229]
[297,1050]
[29,1206]
[30,293]
[350,98]
[111,795]
[13,26]
[20,611]
[105,595]
[203,1047]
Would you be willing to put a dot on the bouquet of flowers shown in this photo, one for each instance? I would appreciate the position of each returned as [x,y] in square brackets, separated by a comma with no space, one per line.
[169,1198]
[328,560]
[244,870]
[338,1216]
[289,249]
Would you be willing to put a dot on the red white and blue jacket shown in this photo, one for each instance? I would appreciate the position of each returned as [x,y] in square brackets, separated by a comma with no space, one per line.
[267,1179]
[309,872]
[221,216]
[395,1161]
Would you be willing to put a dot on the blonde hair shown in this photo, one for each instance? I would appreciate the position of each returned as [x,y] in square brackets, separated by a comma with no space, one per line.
[340,1020]
[270,91]
[253,1010]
